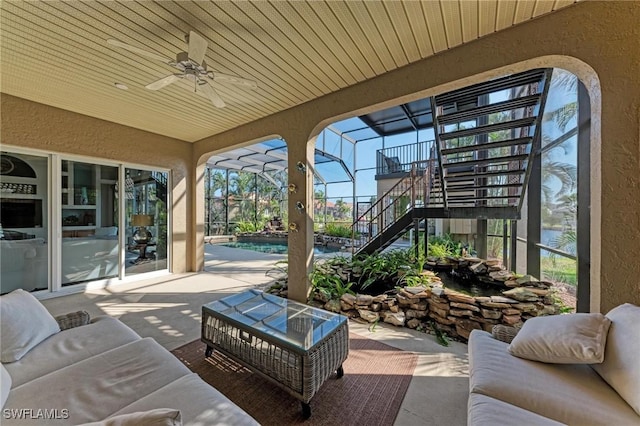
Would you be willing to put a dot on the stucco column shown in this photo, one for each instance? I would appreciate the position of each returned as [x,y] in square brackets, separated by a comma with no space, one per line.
[300,153]
[197,228]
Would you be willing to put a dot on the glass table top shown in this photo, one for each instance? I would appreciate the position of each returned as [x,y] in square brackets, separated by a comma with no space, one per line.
[285,320]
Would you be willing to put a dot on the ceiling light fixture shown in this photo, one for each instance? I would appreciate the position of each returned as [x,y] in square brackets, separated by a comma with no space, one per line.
[121,86]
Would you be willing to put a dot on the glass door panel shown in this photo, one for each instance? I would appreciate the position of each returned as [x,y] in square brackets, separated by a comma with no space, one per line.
[146,221]
[89,212]
[23,222]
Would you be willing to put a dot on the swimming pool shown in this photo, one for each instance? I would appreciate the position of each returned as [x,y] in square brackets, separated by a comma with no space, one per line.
[274,247]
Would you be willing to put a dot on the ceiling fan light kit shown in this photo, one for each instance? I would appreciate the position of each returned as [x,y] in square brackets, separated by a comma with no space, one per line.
[192,66]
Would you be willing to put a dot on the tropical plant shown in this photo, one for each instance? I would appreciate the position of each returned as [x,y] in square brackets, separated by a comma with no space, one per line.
[442,338]
[439,250]
[342,210]
[247,227]
[334,230]
[330,286]
[444,245]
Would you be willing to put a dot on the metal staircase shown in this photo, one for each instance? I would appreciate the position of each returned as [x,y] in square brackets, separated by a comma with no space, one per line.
[485,136]
[394,213]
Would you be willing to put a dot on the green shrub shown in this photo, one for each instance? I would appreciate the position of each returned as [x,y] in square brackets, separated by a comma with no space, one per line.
[334,230]
[439,250]
[248,227]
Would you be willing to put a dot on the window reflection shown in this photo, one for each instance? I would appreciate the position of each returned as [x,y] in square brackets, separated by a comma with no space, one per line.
[146,221]
[23,222]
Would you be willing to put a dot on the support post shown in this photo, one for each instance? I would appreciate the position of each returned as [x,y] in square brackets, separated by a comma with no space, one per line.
[534,191]
[513,246]
[481,238]
[416,236]
[505,242]
[584,201]
[300,173]
[226,203]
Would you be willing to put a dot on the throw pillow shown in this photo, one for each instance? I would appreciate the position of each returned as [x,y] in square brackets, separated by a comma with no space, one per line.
[5,385]
[562,339]
[621,366]
[156,417]
[24,323]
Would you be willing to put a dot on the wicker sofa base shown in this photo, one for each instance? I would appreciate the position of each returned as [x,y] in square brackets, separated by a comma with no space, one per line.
[300,373]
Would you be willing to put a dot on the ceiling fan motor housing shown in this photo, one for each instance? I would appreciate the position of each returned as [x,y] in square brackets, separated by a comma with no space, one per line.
[184,63]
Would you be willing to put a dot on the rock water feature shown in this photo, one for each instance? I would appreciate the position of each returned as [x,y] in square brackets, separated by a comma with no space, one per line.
[516,299]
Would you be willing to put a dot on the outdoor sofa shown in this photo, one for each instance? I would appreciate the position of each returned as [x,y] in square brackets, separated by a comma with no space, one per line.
[69,371]
[575,369]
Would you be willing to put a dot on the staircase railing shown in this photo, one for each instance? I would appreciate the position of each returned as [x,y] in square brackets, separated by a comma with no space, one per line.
[410,192]
[160,179]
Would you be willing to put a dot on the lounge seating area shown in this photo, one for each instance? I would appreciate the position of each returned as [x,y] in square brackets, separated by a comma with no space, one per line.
[523,124]
[97,369]
[491,382]
[575,369]
[554,393]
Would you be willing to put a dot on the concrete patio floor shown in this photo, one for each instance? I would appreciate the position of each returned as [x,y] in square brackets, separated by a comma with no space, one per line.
[169,309]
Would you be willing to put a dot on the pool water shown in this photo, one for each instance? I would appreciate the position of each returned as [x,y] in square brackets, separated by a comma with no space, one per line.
[275,248]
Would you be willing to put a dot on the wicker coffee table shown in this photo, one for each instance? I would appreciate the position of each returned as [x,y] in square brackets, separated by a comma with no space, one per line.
[290,344]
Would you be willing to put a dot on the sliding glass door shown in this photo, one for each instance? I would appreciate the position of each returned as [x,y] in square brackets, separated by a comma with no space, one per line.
[67,221]
[89,214]
[24,222]
[145,221]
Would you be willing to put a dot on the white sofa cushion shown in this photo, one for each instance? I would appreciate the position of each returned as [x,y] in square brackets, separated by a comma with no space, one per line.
[484,410]
[621,366]
[97,387]
[199,403]
[156,417]
[567,393]
[71,346]
[24,323]
[563,339]
[5,385]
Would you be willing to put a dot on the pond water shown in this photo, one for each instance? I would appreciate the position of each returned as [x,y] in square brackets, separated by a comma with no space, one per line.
[470,287]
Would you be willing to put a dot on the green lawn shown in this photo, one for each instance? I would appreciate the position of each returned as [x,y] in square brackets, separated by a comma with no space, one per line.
[559,269]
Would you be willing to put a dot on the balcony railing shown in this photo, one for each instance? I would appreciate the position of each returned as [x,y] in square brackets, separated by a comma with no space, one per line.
[398,159]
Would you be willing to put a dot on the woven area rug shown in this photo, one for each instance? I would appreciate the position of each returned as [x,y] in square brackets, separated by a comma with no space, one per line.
[376,378]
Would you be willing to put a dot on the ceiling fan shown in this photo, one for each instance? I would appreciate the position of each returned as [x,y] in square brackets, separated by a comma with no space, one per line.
[192,67]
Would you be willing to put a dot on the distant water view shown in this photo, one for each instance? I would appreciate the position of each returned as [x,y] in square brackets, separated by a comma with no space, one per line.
[548,236]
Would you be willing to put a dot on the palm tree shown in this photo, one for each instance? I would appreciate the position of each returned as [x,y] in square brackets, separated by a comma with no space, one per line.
[215,199]
[560,179]
[271,196]
[242,187]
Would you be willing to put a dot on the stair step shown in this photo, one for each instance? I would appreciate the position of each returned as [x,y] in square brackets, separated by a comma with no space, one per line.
[466,176]
[488,128]
[478,187]
[490,145]
[456,198]
[470,114]
[492,86]
[504,159]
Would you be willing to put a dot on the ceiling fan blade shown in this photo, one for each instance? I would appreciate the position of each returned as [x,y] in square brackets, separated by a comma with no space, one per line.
[226,78]
[137,50]
[213,96]
[197,47]
[164,82]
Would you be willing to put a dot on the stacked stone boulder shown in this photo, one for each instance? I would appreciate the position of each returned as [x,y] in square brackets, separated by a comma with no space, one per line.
[454,312]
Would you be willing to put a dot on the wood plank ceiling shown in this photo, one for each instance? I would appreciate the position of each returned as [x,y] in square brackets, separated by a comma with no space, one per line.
[55,52]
